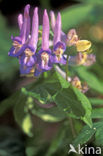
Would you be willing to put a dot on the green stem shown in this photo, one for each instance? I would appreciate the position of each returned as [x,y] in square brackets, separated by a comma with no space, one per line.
[70,119]
[67,68]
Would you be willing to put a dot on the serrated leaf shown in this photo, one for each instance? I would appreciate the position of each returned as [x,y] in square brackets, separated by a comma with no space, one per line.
[99,132]
[74,102]
[99,136]
[67,101]
[86,105]
[87,133]
[84,136]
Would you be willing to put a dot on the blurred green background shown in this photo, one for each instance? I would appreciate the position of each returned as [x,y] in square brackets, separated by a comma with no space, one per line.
[86,16]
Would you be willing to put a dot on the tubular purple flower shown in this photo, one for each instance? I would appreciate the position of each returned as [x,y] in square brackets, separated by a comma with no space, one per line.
[44,55]
[28,57]
[35,27]
[59,46]
[28,28]
[53,20]
[57,30]
[24,70]
[18,41]
[45,33]
[25,24]
[82,59]
[20,21]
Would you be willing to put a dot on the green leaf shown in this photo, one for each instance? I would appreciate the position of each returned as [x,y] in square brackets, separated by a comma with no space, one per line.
[99,133]
[74,102]
[84,136]
[99,136]
[90,78]
[44,91]
[48,115]
[87,133]
[92,1]
[63,82]
[97,113]
[96,101]
[68,101]
[32,94]
[86,105]
[21,114]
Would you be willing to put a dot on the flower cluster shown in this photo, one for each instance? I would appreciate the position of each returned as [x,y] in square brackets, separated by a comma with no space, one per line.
[25,46]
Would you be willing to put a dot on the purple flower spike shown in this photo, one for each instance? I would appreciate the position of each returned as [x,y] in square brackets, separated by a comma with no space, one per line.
[45,33]
[20,21]
[35,27]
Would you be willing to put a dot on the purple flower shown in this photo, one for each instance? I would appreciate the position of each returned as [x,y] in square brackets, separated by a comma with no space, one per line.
[20,40]
[81,59]
[44,56]
[24,70]
[53,22]
[33,62]
[59,46]
[28,58]
[72,37]
[20,21]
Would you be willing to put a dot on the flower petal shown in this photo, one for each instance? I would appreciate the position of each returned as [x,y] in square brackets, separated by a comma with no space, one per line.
[57,31]
[35,26]
[45,33]
[20,21]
